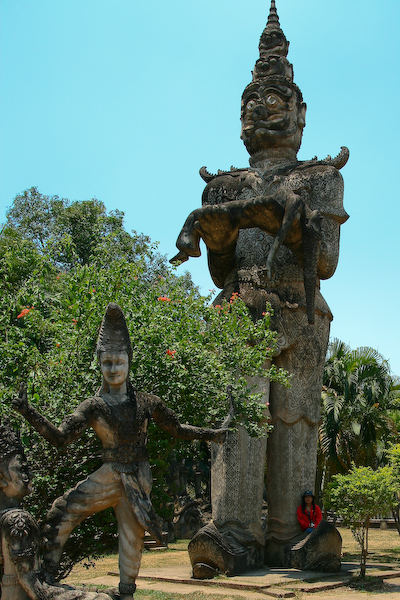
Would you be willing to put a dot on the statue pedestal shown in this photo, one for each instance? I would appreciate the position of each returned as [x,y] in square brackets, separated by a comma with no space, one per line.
[233,541]
[320,550]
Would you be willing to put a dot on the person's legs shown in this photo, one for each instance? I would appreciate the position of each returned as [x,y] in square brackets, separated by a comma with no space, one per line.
[131,537]
[99,491]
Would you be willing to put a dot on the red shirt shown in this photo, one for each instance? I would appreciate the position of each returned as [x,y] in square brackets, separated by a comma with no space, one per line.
[305,519]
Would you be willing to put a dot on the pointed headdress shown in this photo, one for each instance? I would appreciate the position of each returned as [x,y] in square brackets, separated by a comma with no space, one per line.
[114,334]
[273,67]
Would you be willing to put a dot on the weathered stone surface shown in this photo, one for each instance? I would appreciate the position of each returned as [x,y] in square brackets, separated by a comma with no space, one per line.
[188,519]
[320,550]
[230,550]
[234,541]
[21,577]
[237,481]
[272,233]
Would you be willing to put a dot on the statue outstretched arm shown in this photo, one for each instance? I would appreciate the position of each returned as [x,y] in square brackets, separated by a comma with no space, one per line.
[70,429]
[167,420]
[219,224]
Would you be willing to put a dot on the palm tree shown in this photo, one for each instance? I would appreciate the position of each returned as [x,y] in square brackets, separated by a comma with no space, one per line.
[358,396]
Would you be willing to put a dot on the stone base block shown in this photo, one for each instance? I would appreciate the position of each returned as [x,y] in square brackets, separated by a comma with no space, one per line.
[320,550]
[231,551]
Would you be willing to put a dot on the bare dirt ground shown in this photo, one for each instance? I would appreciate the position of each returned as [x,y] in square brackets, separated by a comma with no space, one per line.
[384,549]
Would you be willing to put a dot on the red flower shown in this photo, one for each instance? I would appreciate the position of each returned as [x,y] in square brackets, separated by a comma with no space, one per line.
[24,312]
[164,299]
[171,353]
[75,321]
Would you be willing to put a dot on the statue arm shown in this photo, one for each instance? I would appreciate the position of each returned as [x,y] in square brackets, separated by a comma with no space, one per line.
[69,430]
[168,421]
[219,225]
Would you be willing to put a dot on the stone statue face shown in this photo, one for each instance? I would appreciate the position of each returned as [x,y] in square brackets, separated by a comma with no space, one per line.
[115,367]
[271,117]
[14,478]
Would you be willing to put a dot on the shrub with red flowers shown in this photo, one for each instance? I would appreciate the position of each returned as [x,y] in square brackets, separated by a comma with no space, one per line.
[24,312]
[184,350]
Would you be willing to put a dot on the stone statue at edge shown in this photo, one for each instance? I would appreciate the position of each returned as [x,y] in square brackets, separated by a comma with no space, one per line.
[20,558]
[272,232]
[119,415]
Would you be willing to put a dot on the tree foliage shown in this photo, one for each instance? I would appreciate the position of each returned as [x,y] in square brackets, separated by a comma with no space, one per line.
[394,461]
[359,398]
[360,495]
[184,350]
[75,233]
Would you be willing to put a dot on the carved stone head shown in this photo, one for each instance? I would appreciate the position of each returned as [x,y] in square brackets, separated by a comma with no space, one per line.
[273,112]
[114,348]
[14,470]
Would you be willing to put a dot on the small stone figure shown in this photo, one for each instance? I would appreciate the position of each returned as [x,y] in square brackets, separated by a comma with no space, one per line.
[120,416]
[20,536]
[272,232]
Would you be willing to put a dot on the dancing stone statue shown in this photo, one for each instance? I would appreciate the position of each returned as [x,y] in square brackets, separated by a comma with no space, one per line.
[20,558]
[119,415]
[272,233]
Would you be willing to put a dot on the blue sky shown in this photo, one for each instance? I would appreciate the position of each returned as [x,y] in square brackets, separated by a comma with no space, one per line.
[124,100]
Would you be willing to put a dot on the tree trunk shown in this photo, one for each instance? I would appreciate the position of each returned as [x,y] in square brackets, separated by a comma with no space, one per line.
[396,517]
[364,552]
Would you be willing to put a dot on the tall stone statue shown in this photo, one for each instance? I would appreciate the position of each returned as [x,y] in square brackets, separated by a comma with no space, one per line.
[120,416]
[272,233]
[20,558]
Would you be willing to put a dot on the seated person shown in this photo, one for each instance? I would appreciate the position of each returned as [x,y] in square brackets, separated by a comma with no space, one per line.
[309,514]
[20,560]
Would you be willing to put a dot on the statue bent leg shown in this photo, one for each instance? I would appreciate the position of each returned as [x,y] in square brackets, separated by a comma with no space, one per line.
[101,490]
[97,492]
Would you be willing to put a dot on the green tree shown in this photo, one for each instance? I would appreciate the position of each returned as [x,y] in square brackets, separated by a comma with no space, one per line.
[358,396]
[394,461]
[75,232]
[184,350]
[359,496]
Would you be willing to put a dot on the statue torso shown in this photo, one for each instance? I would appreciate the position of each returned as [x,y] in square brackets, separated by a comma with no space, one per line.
[325,193]
[121,423]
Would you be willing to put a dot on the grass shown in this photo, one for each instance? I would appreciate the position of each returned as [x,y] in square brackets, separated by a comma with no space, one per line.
[384,546]
[153,595]
[156,595]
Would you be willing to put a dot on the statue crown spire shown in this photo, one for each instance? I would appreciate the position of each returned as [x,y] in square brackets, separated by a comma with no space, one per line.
[273,41]
[273,19]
